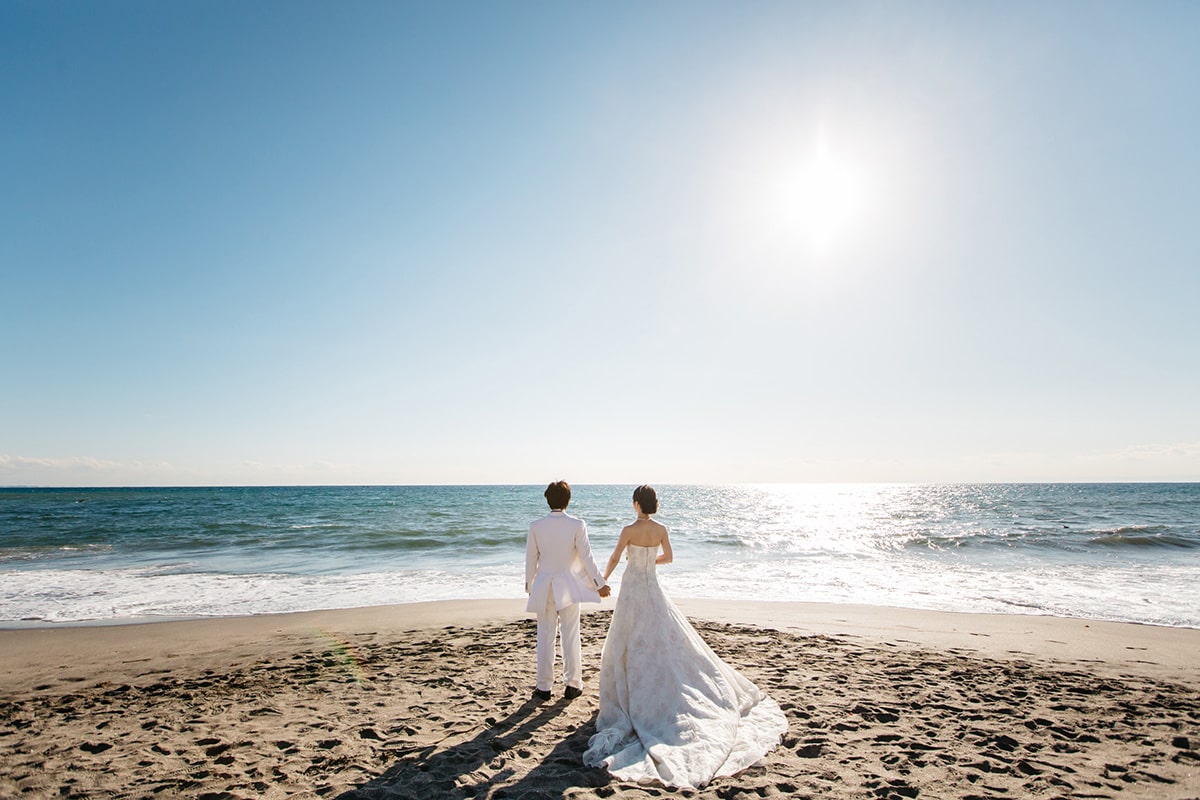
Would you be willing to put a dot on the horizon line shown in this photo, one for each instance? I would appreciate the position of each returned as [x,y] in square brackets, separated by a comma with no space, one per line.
[8,487]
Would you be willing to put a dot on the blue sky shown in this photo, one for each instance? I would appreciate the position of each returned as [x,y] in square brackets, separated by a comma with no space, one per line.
[247,243]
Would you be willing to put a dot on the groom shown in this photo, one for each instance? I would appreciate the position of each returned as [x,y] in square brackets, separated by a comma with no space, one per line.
[559,575]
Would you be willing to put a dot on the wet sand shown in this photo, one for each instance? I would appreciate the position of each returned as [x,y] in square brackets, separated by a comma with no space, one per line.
[433,700]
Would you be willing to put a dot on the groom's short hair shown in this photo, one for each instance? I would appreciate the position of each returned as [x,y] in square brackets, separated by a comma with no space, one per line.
[558,494]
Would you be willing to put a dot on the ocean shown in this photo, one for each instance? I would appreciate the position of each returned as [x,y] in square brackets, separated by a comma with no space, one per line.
[1127,552]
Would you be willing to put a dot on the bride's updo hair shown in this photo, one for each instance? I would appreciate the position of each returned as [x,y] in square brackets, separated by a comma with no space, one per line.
[645,497]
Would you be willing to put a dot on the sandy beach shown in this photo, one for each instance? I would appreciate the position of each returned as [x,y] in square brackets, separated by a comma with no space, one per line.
[433,700]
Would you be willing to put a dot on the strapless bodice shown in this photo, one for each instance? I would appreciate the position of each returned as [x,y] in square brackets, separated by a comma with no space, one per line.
[642,557]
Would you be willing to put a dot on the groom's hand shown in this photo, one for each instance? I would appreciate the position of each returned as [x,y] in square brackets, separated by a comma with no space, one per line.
[605,591]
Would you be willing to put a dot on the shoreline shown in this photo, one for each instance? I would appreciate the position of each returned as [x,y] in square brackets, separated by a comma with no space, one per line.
[760,612]
[433,700]
[1137,647]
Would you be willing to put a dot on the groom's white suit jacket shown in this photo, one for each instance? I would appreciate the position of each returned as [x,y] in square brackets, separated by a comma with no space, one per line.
[559,564]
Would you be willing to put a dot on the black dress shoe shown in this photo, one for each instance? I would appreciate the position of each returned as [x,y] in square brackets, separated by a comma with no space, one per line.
[571,693]
[541,694]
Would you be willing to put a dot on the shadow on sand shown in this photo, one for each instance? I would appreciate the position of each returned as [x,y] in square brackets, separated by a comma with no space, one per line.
[483,766]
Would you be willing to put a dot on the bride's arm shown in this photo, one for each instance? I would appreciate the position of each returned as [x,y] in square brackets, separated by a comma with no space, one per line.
[666,556]
[615,558]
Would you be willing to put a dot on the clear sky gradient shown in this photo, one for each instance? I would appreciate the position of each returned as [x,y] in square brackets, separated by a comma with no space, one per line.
[494,242]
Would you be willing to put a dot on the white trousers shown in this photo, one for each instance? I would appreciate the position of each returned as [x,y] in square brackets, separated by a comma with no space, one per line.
[549,621]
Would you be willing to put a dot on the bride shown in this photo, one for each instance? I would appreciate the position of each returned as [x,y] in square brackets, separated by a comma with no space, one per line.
[670,709]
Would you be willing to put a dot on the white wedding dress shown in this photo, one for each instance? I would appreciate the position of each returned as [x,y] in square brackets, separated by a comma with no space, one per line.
[670,709]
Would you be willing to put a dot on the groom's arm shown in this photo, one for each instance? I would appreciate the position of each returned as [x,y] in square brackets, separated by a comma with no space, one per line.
[584,548]
[531,560]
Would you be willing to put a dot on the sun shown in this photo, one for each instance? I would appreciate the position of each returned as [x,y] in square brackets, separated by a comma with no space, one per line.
[820,200]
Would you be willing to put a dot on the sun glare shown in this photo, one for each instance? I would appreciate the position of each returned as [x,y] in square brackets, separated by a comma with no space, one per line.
[819,201]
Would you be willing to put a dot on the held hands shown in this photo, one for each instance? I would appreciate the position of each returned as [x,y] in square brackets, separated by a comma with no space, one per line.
[605,591]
